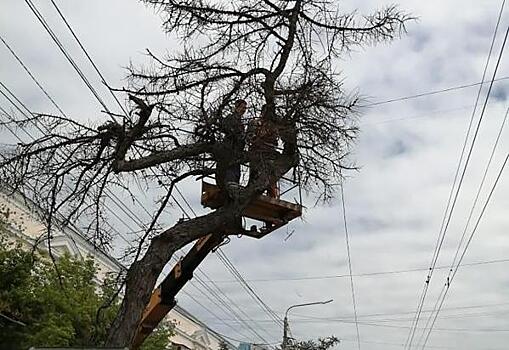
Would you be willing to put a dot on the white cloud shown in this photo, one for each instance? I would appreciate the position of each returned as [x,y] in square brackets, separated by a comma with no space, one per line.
[395,203]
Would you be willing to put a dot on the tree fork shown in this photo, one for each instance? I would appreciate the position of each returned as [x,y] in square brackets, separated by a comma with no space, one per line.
[142,276]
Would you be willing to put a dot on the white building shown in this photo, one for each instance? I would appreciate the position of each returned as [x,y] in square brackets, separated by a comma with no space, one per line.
[23,224]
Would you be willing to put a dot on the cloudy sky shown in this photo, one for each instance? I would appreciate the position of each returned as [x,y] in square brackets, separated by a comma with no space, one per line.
[407,152]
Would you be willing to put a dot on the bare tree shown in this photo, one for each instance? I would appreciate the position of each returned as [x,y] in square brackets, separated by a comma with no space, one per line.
[279,56]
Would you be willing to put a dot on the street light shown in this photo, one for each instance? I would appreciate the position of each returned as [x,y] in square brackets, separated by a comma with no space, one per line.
[285,324]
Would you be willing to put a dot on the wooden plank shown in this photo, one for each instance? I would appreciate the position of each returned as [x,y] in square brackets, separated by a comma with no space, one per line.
[263,208]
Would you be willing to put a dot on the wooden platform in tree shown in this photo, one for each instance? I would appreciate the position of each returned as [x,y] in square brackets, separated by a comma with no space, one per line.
[275,211]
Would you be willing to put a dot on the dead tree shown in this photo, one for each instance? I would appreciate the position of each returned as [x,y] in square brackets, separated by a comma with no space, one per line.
[277,55]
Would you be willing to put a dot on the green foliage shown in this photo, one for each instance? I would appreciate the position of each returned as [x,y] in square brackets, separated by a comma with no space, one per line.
[158,340]
[320,344]
[58,304]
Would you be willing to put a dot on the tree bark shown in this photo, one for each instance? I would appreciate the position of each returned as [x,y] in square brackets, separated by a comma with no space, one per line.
[143,274]
[181,152]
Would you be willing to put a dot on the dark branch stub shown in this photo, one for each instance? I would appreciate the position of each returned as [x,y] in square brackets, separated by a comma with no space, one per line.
[277,56]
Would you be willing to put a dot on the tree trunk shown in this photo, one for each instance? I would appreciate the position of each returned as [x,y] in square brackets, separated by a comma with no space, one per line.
[143,274]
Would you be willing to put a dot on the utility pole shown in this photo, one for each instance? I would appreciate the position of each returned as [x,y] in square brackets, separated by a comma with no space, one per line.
[285,332]
[285,321]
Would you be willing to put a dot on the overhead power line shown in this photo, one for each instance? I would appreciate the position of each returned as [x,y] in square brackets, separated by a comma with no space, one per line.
[448,213]
[32,76]
[14,101]
[430,93]
[450,277]
[348,253]
[397,320]
[481,187]
[365,274]
[375,316]
[55,39]
[75,66]
[41,19]
[25,111]
[88,56]
[383,325]
[224,303]
[399,345]
[131,215]
[228,300]
[219,318]
[251,292]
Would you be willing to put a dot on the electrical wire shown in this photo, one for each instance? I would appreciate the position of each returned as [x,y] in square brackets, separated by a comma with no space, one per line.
[88,56]
[448,213]
[479,190]
[75,66]
[366,274]
[24,66]
[107,85]
[55,39]
[450,278]
[234,271]
[402,313]
[134,216]
[482,183]
[33,138]
[32,76]
[475,133]
[228,301]
[374,324]
[481,186]
[429,93]
[399,345]
[349,258]
[224,306]
[221,319]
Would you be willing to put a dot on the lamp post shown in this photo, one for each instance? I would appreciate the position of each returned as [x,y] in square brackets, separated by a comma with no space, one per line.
[285,323]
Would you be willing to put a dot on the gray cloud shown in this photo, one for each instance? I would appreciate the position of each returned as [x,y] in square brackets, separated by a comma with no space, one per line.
[395,203]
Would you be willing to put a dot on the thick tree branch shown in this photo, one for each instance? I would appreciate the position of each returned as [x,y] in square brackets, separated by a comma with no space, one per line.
[181,152]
